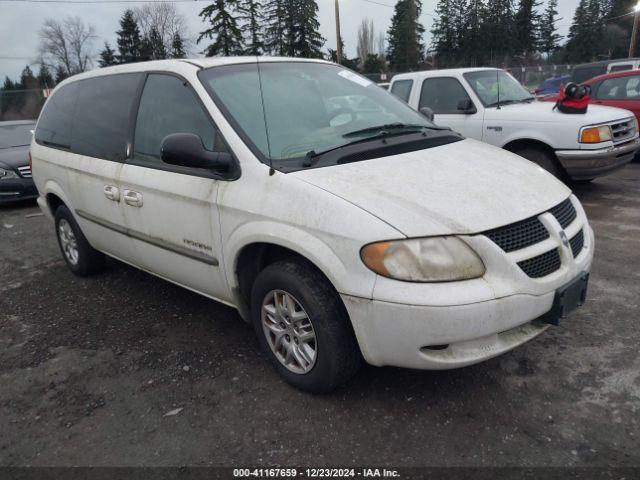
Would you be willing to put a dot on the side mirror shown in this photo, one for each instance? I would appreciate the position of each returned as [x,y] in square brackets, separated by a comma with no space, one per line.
[467,106]
[187,150]
[428,113]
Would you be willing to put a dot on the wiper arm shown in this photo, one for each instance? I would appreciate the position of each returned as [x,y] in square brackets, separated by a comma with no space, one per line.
[388,126]
[312,157]
[501,102]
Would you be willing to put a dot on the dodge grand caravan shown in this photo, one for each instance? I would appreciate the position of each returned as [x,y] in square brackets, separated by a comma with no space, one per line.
[337,220]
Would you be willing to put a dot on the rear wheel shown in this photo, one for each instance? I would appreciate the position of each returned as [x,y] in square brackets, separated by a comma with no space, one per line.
[303,327]
[81,258]
[544,159]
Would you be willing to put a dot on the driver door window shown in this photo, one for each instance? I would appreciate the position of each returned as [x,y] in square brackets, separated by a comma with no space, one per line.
[442,95]
[169,105]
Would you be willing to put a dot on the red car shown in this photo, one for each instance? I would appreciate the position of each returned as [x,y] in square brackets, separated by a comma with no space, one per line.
[620,89]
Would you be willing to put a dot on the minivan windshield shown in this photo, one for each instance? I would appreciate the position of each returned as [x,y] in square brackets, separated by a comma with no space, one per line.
[485,84]
[288,110]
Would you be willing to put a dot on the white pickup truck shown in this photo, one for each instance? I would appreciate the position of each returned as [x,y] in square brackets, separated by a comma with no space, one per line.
[492,106]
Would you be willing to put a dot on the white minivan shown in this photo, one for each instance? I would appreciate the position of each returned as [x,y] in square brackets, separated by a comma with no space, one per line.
[337,220]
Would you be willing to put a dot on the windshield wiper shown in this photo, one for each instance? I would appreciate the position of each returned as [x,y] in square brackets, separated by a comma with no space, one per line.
[388,126]
[510,102]
[312,157]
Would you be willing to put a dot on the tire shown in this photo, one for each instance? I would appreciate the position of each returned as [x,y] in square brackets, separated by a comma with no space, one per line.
[337,356]
[544,159]
[82,259]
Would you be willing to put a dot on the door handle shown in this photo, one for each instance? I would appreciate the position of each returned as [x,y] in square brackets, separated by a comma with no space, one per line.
[112,193]
[132,198]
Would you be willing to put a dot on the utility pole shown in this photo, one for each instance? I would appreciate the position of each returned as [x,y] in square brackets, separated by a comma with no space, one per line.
[634,35]
[339,38]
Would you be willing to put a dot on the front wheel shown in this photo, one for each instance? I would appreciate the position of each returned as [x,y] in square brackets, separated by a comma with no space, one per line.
[303,327]
[81,258]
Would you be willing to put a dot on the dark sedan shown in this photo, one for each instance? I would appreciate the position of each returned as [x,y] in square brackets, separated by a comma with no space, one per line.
[15,172]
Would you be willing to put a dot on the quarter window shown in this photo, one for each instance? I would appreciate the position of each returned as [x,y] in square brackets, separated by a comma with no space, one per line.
[54,126]
[442,95]
[168,105]
[402,89]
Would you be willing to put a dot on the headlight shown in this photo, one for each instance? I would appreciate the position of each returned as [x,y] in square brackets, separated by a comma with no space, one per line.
[596,134]
[436,259]
[4,173]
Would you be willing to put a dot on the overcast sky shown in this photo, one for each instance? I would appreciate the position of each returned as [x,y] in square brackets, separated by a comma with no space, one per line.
[20,22]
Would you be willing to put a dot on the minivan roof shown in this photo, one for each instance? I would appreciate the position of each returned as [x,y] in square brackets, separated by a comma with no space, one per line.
[206,62]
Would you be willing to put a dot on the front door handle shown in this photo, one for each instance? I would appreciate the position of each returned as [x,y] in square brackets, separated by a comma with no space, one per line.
[132,198]
[112,193]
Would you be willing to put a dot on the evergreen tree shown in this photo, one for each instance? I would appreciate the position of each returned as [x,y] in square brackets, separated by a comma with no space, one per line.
[157,51]
[177,47]
[28,81]
[274,20]
[45,79]
[107,56]
[527,27]
[305,35]
[549,37]
[406,50]
[129,41]
[585,33]
[223,28]
[499,30]
[444,33]
[472,44]
[251,16]
[61,73]
[374,63]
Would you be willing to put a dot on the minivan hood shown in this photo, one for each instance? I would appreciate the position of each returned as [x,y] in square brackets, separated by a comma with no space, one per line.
[541,111]
[460,188]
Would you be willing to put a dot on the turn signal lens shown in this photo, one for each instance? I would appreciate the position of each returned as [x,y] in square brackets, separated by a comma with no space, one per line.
[435,259]
[596,134]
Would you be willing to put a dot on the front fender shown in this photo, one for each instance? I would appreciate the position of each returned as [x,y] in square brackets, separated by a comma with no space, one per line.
[287,236]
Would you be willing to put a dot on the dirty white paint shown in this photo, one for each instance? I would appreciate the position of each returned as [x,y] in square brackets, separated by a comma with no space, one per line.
[327,215]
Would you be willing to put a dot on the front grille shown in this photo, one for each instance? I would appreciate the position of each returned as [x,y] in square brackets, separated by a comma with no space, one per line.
[519,235]
[25,171]
[623,131]
[565,213]
[542,265]
[577,243]
[531,231]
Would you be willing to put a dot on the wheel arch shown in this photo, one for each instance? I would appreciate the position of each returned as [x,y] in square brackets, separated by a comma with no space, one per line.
[247,257]
[55,197]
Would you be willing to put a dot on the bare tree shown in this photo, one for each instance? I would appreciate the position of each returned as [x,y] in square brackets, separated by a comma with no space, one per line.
[166,19]
[68,44]
[366,40]
[381,44]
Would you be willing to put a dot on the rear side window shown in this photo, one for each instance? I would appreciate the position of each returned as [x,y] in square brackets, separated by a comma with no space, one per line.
[102,116]
[587,73]
[620,68]
[402,89]
[168,105]
[623,88]
[54,126]
[442,95]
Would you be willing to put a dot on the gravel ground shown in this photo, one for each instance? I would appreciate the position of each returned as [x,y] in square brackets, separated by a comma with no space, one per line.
[126,369]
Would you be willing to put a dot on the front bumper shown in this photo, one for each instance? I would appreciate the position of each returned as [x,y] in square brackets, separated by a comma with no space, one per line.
[450,325]
[589,164]
[15,189]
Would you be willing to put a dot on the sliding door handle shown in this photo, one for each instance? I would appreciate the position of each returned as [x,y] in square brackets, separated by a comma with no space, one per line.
[112,193]
[132,198]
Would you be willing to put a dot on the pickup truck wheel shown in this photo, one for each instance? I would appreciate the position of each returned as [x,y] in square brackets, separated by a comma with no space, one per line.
[81,258]
[303,327]
[544,159]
